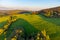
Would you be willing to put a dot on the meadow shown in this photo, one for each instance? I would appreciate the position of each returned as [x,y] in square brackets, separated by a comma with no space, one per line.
[31,24]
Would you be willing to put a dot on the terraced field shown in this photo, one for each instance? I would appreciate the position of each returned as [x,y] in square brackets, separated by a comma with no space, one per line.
[32,24]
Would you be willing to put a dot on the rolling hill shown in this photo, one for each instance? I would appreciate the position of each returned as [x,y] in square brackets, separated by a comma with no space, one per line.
[35,23]
[30,24]
[50,12]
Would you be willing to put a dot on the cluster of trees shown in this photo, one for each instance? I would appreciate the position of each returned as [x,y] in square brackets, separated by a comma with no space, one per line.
[50,13]
[4,29]
[19,34]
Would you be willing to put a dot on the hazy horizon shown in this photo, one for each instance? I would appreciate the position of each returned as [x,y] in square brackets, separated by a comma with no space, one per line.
[29,4]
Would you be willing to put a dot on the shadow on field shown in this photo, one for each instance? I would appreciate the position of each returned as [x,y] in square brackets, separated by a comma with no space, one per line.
[55,21]
[21,23]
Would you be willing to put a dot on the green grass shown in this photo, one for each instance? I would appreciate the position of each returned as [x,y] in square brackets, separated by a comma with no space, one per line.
[35,23]
[51,25]
[2,24]
[54,24]
[21,23]
[53,20]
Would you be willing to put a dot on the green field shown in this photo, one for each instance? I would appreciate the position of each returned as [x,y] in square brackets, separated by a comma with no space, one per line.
[34,23]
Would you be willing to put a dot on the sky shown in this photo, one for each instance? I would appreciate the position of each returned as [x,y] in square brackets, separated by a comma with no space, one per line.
[29,4]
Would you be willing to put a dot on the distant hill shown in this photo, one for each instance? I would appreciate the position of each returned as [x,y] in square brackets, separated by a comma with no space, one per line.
[53,9]
[51,12]
[4,10]
[12,11]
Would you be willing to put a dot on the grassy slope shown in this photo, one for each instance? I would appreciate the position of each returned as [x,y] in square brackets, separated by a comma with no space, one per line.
[39,22]
[3,21]
[4,18]
[2,24]
[49,24]
[21,23]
